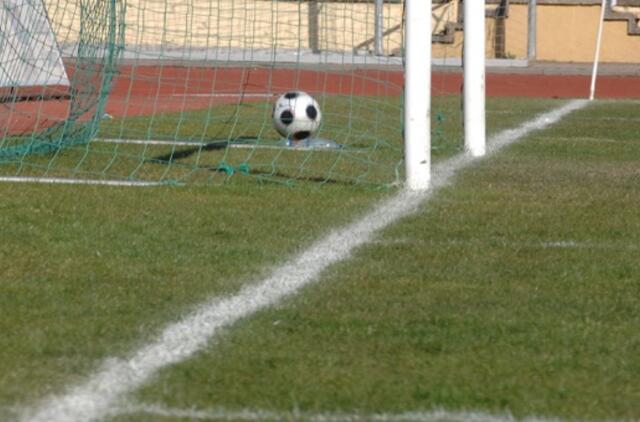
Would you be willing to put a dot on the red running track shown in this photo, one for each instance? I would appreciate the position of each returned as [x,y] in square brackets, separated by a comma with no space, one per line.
[146,90]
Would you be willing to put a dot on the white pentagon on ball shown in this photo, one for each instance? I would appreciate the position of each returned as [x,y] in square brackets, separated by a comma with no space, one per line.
[296,115]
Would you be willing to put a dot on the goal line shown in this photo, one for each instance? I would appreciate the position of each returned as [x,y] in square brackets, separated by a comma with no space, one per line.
[101,391]
[80,181]
[238,143]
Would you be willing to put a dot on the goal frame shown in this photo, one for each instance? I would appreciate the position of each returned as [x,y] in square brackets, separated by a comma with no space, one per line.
[417,103]
[417,90]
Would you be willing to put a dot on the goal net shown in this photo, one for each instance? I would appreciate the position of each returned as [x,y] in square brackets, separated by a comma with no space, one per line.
[56,65]
[182,91]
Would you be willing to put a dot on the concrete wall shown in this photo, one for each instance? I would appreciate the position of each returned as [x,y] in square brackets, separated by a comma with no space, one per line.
[566,29]
[242,24]
[568,33]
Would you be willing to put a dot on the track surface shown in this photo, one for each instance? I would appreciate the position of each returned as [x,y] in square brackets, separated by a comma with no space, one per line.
[151,89]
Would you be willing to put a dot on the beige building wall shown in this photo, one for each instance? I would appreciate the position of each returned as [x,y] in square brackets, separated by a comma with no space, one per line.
[245,24]
[568,33]
[515,40]
[516,32]
[565,32]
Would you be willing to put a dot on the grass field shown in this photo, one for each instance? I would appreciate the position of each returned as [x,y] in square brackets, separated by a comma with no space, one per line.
[368,128]
[515,289]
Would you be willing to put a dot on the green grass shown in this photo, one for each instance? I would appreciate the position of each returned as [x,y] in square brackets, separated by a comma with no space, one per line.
[462,306]
[515,290]
[89,272]
[369,128]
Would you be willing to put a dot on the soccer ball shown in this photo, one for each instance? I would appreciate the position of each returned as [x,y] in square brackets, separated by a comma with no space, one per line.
[296,115]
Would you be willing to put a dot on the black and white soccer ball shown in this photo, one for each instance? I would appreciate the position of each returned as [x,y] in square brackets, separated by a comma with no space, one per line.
[296,115]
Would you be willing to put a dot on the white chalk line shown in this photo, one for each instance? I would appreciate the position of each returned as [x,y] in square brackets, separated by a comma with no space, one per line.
[65,181]
[436,415]
[513,243]
[228,144]
[589,139]
[168,142]
[571,244]
[220,95]
[117,377]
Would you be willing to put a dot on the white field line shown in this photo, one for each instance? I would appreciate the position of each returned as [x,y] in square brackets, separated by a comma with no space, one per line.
[588,139]
[204,144]
[293,148]
[618,118]
[437,415]
[570,244]
[64,181]
[117,377]
[147,142]
[220,95]
[513,243]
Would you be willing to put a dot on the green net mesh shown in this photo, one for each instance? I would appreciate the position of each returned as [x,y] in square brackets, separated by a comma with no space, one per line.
[182,91]
[46,106]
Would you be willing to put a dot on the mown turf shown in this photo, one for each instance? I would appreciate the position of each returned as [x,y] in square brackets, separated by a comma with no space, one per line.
[368,128]
[92,272]
[89,272]
[516,290]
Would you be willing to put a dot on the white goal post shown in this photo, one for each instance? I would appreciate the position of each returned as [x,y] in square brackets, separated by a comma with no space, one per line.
[417,100]
[417,125]
[474,78]
[177,69]
[596,59]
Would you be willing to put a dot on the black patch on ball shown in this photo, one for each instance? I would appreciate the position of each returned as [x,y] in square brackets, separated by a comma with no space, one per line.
[286,117]
[298,136]
[312,112]
[291,95]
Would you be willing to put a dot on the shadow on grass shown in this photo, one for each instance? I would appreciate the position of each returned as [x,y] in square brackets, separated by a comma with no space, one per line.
[188,152]
[264,177]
